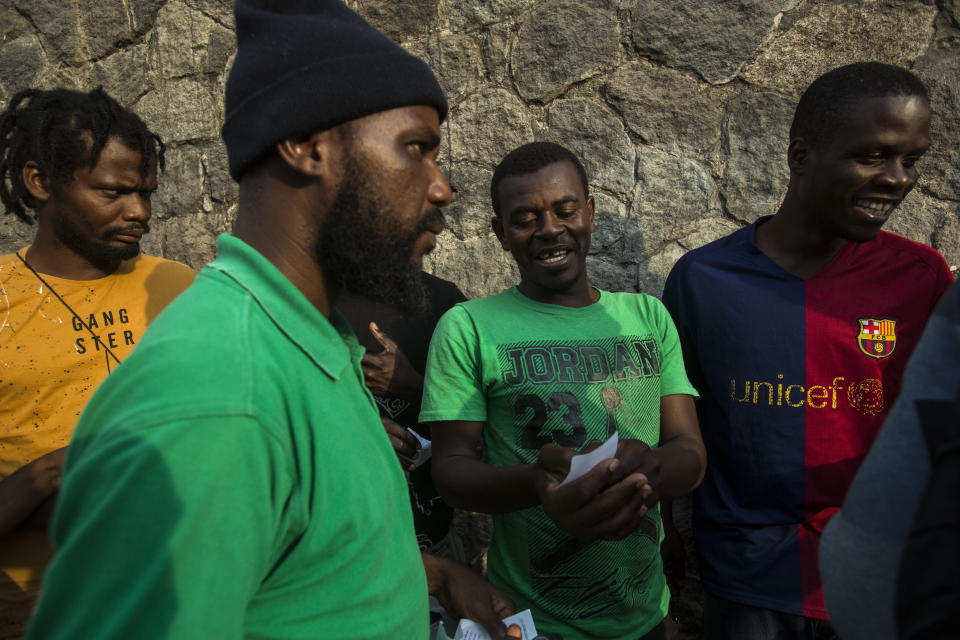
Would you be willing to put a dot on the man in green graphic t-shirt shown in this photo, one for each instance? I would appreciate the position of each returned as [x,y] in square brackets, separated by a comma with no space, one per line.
[546,370]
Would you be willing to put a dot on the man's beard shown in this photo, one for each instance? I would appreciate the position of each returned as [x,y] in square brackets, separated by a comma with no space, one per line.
[97,252]
[365,250]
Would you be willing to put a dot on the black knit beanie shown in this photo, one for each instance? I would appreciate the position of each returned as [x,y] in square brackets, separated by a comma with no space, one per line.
[308,65]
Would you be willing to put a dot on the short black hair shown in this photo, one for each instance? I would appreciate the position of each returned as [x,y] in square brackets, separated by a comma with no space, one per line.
[828,102]
[63,130]
[530,158]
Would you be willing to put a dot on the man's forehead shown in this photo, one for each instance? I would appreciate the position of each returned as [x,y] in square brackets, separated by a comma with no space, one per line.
[393,121]
[120,159]
[873,115]
[559,176]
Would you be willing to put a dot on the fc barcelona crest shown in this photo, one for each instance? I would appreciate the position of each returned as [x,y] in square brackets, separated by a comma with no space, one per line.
[877,337]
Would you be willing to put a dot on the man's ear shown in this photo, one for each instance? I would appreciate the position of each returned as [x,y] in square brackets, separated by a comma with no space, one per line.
[591,206]
[798,156]
[310,154]
[37,182]
[497,225]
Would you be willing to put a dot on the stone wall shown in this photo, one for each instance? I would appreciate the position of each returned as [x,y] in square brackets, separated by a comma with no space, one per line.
[680,110]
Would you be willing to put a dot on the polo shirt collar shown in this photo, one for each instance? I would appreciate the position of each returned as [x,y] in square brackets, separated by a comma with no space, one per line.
[330,344]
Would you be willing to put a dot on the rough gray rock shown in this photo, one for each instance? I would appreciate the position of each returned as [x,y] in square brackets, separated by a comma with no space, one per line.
[219,10]
[220,191]
[220,47]
[478,265]
[594,132]
[952,7]
[829,35]
[714,37]
[563,42]
[15,233]
[181,40]
[143,13]
[756,174]
[105,24]
[12,23]
[496,53]
[947,237]
[21,61]
[192,239]
[918,217]
[399,20]
[940,168]
[180,111]
[653,271]
[674,160]
[612,275]
[671,196]
[488,125]
[470,213]
[180,185]
[611,229]
[666,108]
[470,16]
[126,75]
[57,25]
[456,61]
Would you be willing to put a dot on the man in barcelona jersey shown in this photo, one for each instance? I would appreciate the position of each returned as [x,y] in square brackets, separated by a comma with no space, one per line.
[796,331]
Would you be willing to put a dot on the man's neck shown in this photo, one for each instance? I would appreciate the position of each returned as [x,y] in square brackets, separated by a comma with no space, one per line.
[290,252]
[581,295]
[795,245]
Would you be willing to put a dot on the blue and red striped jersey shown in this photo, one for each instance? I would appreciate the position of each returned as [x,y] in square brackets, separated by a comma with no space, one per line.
[795,378]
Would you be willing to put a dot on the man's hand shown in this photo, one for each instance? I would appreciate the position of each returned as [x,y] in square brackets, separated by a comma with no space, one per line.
[405,444]
[636,457]
[608,502]
[389,372]
[29,487]
[465,594]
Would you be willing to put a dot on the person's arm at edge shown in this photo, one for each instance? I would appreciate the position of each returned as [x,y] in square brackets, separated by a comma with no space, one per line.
[466,482]
[682,456]
[27,488]
[467,595]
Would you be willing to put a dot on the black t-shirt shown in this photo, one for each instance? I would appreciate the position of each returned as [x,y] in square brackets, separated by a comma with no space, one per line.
[431,516]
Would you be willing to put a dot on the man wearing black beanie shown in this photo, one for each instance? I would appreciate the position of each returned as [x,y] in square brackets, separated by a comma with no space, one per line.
[232,479]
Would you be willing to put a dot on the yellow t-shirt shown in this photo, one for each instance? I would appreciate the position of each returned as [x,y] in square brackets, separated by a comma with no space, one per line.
[50,365]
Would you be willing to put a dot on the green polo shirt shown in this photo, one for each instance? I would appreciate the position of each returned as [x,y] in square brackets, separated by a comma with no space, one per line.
[232,479]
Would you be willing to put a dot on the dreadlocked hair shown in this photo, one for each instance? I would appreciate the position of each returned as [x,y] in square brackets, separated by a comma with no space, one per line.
[62,131]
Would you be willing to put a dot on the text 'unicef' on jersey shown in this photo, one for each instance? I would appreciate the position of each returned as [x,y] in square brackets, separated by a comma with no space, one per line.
[866,396]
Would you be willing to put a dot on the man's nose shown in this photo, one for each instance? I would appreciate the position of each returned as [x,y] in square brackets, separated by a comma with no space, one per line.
[439,192]
[137,207]
[549,225]
[896,175]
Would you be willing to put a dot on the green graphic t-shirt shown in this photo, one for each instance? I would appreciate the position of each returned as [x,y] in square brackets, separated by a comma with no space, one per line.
[539,373]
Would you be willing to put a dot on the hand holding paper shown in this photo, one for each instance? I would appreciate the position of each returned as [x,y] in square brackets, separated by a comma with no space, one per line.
[606,502]
[470,630]
[582,463]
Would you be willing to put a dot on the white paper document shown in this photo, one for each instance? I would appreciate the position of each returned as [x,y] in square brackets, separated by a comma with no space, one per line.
[470,630]
[426,449]
[582,463]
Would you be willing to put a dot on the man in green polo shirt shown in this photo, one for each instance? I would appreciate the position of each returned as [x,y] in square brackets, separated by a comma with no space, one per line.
[232,479]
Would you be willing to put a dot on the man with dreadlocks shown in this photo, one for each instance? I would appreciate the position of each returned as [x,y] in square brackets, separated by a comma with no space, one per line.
[73,304]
